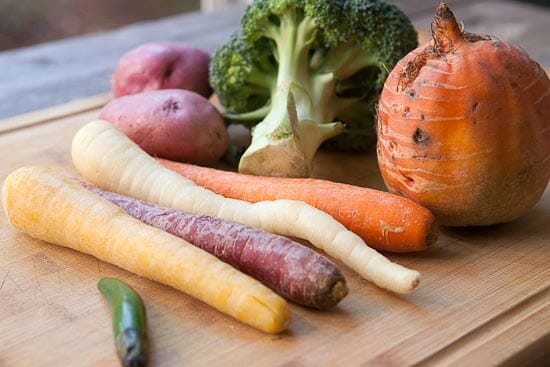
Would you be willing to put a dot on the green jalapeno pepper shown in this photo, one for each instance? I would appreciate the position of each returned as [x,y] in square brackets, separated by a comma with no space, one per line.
[129,321]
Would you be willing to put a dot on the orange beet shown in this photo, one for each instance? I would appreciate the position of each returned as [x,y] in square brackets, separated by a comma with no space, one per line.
[464,127]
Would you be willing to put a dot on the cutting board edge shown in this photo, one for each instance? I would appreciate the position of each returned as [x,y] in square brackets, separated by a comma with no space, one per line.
[54,113]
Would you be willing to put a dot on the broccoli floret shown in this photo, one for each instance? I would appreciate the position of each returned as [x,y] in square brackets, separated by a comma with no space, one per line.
[303,72]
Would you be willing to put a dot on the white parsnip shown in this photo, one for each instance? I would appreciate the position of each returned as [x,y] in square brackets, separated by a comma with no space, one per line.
[110,160]
[54,208]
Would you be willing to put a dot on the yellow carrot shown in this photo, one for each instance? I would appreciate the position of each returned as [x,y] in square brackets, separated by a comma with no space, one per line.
[55,209]
[110,160]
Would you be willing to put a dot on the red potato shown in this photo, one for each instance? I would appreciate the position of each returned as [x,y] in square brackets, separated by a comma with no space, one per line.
[162,65]
[172,123]
[294,271]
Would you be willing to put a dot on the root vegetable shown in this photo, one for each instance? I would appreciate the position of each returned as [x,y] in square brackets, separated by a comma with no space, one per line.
[464,127]
[171,123]
[386,222]
[55,209]
[107,158]
[294,271]
[162,65]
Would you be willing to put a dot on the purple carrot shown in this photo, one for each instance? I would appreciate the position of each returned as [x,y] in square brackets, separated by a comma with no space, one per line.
[294,271]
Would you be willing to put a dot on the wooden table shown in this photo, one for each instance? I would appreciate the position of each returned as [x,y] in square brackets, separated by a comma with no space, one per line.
[484,297]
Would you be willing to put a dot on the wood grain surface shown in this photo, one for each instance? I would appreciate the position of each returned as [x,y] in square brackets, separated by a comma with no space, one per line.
[484,298]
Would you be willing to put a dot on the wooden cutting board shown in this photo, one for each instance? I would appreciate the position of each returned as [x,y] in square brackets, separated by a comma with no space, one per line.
[484,298]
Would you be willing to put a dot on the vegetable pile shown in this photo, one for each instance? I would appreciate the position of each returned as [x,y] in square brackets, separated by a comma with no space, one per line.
[132,172]
[463,130]
[302,71]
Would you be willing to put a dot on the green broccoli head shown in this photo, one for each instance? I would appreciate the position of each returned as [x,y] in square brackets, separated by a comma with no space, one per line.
[333,56]
[244,75]
[379,29]
[269,18]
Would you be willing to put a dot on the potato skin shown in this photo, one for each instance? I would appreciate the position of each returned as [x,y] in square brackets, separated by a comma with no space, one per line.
[162,65]
[174,124]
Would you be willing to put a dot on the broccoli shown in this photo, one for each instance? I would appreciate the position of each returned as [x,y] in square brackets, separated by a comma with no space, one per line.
[302,72]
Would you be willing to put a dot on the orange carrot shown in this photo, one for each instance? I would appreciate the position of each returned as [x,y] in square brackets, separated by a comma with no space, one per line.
[384,221]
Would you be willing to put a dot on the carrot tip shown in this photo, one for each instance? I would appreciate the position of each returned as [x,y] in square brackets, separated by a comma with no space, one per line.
[415,283]
[433,234]
[338,292]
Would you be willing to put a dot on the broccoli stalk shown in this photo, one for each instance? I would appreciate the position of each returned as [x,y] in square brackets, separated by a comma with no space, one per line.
[298,67]
[285,142]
